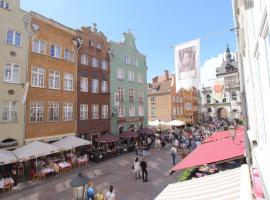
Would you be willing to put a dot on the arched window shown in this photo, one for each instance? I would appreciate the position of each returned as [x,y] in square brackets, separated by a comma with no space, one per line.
[208,98]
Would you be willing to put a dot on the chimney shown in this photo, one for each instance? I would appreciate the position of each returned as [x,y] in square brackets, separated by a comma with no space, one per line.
[166,75]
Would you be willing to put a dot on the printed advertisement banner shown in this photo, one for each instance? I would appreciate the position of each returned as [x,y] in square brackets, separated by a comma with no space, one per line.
[187,61]
[218,89]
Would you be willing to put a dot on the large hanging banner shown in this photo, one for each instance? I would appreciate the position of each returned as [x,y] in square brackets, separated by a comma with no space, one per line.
[187,61]
[218,89]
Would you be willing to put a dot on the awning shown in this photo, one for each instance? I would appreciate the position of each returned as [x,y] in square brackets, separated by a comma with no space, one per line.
[156,123]
[107,138]
[212,152]
[148,131]
[129,134]
[223,134]
[176,123]
[34,150]
[70,142]
[231,184]
[7,157]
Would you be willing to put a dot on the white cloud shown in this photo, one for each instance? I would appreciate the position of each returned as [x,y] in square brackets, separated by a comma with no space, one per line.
[208,70]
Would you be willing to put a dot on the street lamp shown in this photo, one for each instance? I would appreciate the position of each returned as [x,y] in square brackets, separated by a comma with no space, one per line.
[79,185]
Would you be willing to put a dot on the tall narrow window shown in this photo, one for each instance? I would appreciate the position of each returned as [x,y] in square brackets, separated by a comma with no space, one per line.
[68,81]
[68,111]
[9,111]
[121,111]
[38,46]
[69,55]
[11,73]
[83,112]
[131,110]
[131,94]
[54,79]
[36,111]
[131,76]
[95,111]
[53,113]
[104,86]
[121,92]
[120,74]
[104,112]
[14,38]
[140,110]
[140,96]
[84,59]
[104,65]
[84,84]
[37,77]
[94,85]
[95,63]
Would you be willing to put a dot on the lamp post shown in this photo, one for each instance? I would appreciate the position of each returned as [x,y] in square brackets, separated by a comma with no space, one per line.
[78,183]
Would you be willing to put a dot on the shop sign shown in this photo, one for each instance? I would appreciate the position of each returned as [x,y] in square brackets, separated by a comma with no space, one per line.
[8,143]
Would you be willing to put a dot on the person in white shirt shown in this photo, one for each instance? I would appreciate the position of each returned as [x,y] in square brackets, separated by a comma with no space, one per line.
[137,168]
[110,195]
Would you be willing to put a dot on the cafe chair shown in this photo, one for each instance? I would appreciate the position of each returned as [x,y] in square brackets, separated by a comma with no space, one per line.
[7,187]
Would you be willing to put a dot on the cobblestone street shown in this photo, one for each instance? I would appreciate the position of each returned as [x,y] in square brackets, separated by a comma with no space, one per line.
[116,172]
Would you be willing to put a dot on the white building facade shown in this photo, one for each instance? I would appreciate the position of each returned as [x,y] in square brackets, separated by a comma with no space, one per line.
[252,25]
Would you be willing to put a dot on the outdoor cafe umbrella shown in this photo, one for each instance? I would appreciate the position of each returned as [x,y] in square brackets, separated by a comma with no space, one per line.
[176,123]
[129,134]
[34,150]
[156,123]
[107,138]
[7,157]
[148,131]
[70,142]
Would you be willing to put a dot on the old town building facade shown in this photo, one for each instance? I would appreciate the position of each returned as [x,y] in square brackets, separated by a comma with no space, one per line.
[14,40]
[93,84]
[166,104]
[50,105]
[128,85]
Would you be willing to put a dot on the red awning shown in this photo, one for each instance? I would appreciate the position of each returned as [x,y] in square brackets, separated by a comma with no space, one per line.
[212,152]
[129,134]
[107,138]
[223,134]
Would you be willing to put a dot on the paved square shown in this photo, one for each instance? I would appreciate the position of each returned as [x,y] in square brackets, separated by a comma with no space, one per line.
[116,172]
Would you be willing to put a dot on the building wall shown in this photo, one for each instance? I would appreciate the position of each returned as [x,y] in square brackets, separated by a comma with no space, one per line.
[118,53]
[12,19]
[51,32]
[163,105]
[252,19]
[91,126]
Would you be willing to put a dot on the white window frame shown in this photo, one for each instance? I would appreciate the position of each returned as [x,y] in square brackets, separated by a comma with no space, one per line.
[67,111]
[84,59]
[104,86]
[83,111]
[53,107]
[153,111]
[11,78]
[131,110]
[104,65]
[83,84]
[121,110]
[54,79]
[121,93]
[9,111]
[153,100]
[68,55]
[39,48]
[131,76]
[131,94]
[95,111]
[95,86]
[140,110]
[127,60]
[140,96]
[68,81]
[56,49]
[38,77]
[4,4]
[120,74]
[104,111]
[14,39]
[36,110]
[174,111]
[95,62]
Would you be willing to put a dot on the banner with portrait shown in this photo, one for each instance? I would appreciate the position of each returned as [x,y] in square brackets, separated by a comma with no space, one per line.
[187,61]
[218,89]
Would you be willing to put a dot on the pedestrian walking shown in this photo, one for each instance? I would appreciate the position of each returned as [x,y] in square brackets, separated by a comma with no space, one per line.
[144,170]
[90,191]
[110,195]
[173,154]
[137,168]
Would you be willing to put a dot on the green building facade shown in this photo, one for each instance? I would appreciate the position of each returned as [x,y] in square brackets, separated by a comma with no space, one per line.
[128,86]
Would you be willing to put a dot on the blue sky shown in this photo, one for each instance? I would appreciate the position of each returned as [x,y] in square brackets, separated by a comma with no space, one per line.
[157,24]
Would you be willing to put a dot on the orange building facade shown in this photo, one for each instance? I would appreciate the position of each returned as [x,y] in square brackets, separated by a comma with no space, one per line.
[51,97]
